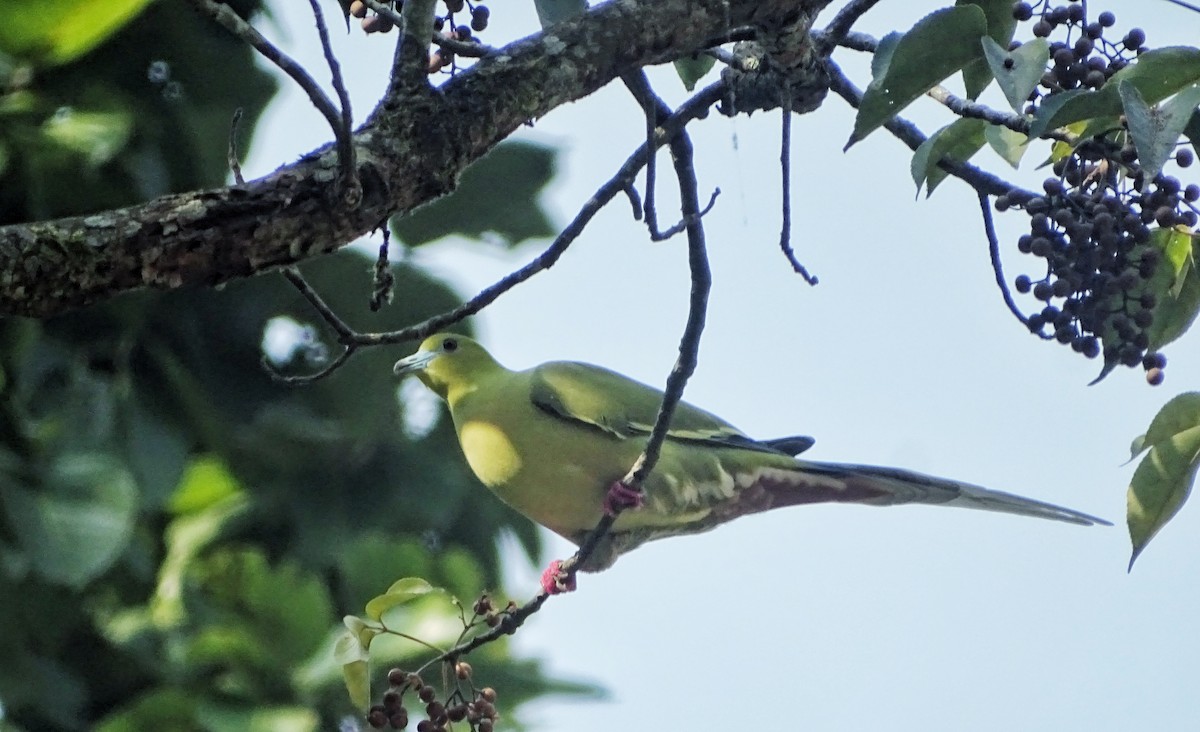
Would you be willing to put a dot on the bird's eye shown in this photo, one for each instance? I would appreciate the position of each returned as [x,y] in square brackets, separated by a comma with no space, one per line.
[449,345]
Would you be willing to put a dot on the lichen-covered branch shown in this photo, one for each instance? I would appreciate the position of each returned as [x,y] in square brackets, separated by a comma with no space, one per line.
[411,150]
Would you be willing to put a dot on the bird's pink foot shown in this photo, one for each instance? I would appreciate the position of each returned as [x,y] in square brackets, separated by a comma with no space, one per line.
[621,497]
[555,581]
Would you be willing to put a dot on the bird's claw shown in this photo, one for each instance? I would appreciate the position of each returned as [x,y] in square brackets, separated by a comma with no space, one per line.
[621,497]
[555,580]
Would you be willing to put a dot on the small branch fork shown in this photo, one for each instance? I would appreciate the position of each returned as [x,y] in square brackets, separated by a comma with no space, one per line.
[340,121]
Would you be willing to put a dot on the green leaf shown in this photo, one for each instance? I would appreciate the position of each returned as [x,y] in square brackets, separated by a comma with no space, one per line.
[401,591]
[957,141]
[460,571]
[1008,144]
[1156,74]
[76,525]
[58,31]
[498,194]
[1155,130]
[363,633]
[1176,285]
[1180,414]
[205,482]
[556,11]
[693,68]
[211,715]
[186,538]
[883,54]
[160,709]
[1192,130]
[1000,27]
[358,683]
[155,450]
[96,136]
[350,645]
[1019,71]
[938,45]
[1163,480]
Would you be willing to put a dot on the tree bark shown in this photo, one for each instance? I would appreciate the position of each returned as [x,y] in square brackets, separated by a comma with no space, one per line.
[412,149]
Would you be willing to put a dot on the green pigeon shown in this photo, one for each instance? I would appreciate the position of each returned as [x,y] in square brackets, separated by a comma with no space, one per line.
[554,442]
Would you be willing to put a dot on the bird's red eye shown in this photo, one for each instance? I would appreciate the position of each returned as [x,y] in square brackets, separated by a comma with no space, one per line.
[449,345]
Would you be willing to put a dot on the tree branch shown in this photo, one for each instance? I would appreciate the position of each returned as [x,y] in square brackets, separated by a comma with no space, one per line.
[411,149]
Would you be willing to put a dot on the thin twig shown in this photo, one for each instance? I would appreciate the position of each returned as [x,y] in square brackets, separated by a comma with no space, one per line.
[842,23]
[989,227]
[685,365]
[686,221]
[1015,122]
[785,166]
[682,154]
[466,49]
[727,58]
[653,108]
[343,133]
[233,23]
[956,104]
[296,380]
[345,332]
[1182,4]
[690,110]
[232,156]
[386,11]
[910,135]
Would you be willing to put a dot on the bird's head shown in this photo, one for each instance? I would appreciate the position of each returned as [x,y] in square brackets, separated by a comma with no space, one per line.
[448,363]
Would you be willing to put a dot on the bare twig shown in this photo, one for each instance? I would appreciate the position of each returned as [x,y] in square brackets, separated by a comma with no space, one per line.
[727,58]
[387,11]
[1015,122]
[701,277]
[345,332]
[233,23]
[685,365]
[466,49]
[841,24]
[653,108]
[910,135]
[232,156]
[785,166]
[1189,6]
[689,345]
[989,228]
[942,95]
[343,133]
[693,108]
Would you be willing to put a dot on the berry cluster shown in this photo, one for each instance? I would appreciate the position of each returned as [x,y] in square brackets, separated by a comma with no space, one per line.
[1087,61]
[476,706]
[480,14]
[448,27]
[1092,224]
[479,712]
[373,23]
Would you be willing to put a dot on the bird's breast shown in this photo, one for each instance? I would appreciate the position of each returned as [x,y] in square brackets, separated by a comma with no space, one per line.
[490,452]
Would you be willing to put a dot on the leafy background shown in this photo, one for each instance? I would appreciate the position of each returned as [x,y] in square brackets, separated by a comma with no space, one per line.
[180,534]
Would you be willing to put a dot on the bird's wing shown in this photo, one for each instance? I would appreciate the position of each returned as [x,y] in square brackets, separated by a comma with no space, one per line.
[624,408]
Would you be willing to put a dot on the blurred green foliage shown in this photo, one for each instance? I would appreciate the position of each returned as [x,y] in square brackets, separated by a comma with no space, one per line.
[179,533]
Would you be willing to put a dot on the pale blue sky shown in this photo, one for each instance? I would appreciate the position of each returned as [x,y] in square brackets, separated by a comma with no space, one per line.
[835,618]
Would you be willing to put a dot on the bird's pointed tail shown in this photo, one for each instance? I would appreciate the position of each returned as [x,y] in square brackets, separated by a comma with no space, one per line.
[891,486]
